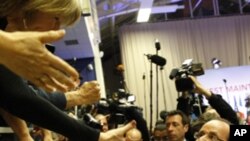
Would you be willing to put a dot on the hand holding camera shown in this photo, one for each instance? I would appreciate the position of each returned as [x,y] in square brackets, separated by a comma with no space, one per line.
[198,88]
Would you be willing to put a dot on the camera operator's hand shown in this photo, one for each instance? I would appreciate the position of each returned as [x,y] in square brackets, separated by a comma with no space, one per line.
[117,134]
[88,93]
[199,88]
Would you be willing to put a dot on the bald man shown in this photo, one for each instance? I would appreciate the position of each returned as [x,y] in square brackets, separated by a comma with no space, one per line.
[133,135]
[215,129]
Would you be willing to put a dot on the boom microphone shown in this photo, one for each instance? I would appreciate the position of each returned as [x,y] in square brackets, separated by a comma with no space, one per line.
[158,60]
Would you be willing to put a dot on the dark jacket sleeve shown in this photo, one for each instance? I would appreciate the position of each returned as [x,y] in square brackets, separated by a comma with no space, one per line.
[56,98]
[223,108]
[17,98]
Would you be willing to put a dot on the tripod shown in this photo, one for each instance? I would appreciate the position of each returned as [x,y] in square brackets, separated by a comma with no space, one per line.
[161,62]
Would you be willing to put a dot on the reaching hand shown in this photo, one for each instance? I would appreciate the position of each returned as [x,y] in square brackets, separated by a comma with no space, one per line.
[117,134]
[24,54]
[199,88]
[88,93]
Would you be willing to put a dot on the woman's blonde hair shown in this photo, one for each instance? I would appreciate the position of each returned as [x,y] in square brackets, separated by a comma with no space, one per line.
[8,6]
[68,11]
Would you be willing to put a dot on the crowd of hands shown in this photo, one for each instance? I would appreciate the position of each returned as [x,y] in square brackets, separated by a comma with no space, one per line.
[55,75]
[130,132]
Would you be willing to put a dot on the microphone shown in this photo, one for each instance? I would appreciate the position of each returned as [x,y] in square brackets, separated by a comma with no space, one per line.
[173,73]
[157,44]
[158,60]
[224,80]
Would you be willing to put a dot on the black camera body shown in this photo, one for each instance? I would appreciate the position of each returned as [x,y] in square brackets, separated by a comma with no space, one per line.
[118,106]
[117,111]
[182,81]
[115,105]
[121,97]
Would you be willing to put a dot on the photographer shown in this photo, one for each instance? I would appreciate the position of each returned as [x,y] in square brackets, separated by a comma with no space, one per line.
[186,83]
[216,101]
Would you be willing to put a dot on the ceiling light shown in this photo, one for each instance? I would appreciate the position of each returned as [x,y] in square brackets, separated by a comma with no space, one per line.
[145,10]
[143,14]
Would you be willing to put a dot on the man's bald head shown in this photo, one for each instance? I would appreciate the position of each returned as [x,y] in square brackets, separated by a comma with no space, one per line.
[133,135]
[218,128]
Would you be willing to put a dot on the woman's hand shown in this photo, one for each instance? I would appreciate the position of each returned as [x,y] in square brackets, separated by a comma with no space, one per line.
[24,54]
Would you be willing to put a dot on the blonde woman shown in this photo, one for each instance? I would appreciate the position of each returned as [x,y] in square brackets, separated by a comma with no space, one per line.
[26,45]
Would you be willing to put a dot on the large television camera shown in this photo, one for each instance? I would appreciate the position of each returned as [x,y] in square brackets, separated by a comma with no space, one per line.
[120,108]
[180,75]
[117,106]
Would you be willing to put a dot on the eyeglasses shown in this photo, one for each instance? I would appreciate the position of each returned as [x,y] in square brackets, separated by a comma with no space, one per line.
[210,135]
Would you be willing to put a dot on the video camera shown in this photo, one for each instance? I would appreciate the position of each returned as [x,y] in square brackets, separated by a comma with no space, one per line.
[118,105]
[122,97]
[119,112]
[182,81]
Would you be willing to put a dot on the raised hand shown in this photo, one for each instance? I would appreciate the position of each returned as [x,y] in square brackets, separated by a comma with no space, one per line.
[87,93]
[24,54]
